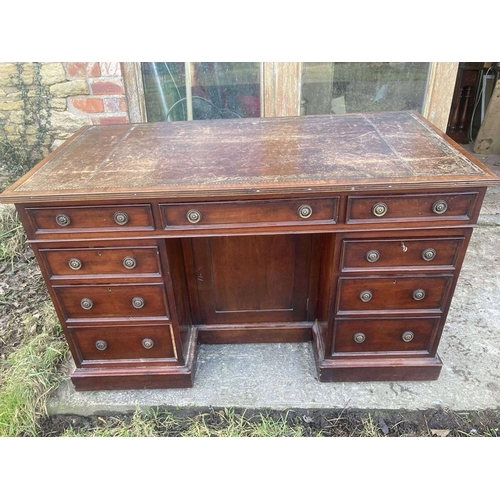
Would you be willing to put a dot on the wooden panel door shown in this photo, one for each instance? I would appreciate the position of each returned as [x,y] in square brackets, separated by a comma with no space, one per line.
[243,279]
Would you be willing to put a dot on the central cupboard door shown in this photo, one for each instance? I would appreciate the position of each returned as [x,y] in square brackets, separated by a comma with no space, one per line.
[248,279]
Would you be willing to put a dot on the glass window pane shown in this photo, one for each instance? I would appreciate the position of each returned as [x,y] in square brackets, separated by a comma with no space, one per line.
[216,90]
[347,87]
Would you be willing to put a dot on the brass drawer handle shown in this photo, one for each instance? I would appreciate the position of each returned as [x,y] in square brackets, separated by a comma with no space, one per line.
[379,209]
[366,295]
[147,343]
[101,345]
[418,294]
[138,302]
[121,218]
[129,262]
[372,256]
[359,338]
[86,304]
[75,264]
[304,211]
[63,220]
[407,336]
[439,207]
[193,216]
[428,254]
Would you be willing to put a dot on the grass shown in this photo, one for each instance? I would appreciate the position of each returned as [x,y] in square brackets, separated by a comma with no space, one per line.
[12,235]
[31,374]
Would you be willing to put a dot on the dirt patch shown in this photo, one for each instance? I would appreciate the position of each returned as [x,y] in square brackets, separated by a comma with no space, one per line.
[430,423]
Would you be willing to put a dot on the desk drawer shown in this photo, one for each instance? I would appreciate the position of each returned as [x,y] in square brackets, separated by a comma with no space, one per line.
[366,294]
[375,335]
[96,302]
[97,262]
[125,342]
[255,213]
[410,207]
[91,218]
[397,253]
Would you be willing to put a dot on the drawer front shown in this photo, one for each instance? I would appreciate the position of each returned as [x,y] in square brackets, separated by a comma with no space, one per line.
[125,342]
[282,212]
[91,218]
[119,261]
[392,294]
[375,335]
[428,207]
[112,301]
[390,253]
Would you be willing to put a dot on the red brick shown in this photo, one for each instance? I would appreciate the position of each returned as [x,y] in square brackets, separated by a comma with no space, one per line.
[75,69]
[88,104]
[115,104]
[109,120]
[111,86]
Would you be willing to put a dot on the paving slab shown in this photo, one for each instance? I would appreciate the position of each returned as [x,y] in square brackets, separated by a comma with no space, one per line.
[283,376]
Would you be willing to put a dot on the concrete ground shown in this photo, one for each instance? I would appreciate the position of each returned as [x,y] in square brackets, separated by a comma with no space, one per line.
[283,376]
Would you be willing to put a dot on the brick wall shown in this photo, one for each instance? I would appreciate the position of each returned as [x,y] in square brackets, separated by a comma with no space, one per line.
[83,93]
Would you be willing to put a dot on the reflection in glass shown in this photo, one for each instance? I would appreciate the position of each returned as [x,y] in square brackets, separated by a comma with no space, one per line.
[214,90]
[346,87]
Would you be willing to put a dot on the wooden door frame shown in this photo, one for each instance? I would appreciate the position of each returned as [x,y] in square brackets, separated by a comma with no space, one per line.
[280,90]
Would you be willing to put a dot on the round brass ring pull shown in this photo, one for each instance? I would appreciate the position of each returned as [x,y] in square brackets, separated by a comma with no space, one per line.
[138,302]
[428,254]
[359,338]
[418,294]
[101,345]
[63,220]
[75,264]
[439,207]
[366,295]
[305,211]
[147,344]
[121,218]
[407,336]
[372,256]
[86,304]
[129,262]
[193,216]
[379,209]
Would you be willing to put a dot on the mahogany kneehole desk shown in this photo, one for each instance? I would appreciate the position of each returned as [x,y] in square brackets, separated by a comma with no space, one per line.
[348,231]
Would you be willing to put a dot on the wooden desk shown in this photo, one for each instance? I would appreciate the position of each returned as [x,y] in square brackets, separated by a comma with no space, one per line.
[348,231]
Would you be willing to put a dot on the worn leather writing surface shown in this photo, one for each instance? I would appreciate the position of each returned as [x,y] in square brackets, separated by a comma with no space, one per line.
[332,151]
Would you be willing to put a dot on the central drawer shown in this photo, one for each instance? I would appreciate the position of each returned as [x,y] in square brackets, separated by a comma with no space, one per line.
[397,293]
[96,302]
[237,213]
